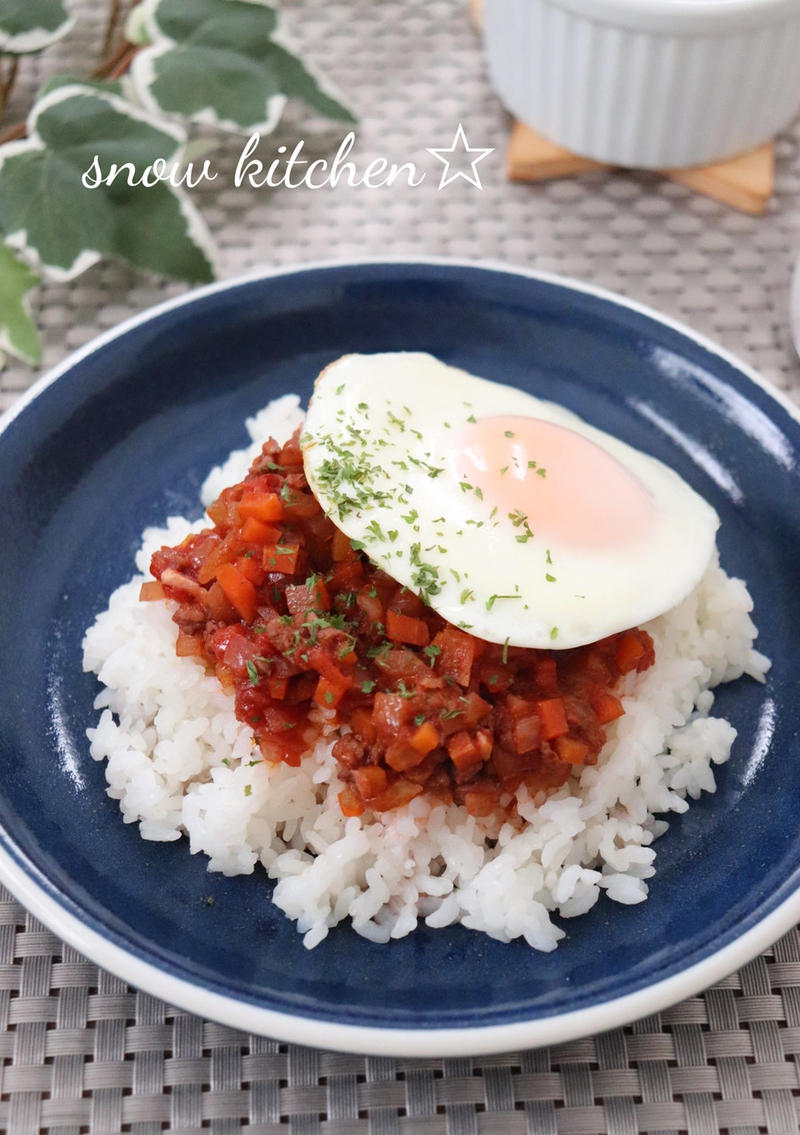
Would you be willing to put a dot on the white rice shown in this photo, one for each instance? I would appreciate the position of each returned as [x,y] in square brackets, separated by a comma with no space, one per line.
[181,764]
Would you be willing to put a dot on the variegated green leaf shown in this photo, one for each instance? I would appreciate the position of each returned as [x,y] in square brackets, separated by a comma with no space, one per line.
[220,62]
[46,210]
[32,25]
[18,334]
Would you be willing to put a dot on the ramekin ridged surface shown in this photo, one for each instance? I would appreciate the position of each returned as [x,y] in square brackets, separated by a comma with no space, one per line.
[613,85]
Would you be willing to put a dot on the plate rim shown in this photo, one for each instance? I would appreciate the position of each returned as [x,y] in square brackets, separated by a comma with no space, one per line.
[391,1040]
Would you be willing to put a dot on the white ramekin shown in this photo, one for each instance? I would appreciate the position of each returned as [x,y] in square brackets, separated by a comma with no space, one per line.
[648,83]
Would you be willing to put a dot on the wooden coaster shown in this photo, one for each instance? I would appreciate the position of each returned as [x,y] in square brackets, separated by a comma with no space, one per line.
[744,182]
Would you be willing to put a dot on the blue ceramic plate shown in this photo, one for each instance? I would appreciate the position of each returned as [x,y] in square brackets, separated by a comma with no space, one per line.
[123,434]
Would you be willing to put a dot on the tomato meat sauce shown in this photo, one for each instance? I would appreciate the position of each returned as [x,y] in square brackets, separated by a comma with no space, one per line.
[293,619]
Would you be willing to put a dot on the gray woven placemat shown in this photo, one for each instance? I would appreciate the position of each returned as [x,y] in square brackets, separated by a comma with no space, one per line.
[81,1051]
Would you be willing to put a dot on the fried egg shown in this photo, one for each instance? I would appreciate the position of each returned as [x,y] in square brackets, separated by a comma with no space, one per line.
[512,517]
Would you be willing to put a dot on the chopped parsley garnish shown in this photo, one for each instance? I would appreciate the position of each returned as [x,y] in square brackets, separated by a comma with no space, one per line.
[367,686]
[248,790]
[432,652]
[490,602]
[553,633]
[252,673]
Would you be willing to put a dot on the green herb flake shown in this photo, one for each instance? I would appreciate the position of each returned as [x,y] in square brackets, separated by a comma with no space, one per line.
[248,790]
[367,686]
[553,634]
[252,673]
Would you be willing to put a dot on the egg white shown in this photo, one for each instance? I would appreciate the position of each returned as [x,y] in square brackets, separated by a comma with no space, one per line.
[378,452]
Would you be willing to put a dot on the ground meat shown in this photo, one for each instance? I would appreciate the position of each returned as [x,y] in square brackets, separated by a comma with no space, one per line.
[276,601]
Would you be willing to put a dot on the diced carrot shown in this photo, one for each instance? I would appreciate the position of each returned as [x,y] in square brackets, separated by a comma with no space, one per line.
[251,569]
[400,756]
[280,557]
[322,598]
[350,803]
[606,706]
[463,751]
[328,694]
[396,795]
[225,551]
[424,738]
[407,629]
[263,506]
[361,720]
[348,575]
[370,780]
[219,606]
[189,645]
[223,512]
[151,589]
[278,687]
[238,590]
[325,666]
[257,532]
[571,750]
[629,650]
[480,801]
[552,718]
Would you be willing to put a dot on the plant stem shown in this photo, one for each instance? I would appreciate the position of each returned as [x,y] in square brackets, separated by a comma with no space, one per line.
[111,68]
[111,26]
[7,82]
[117,64]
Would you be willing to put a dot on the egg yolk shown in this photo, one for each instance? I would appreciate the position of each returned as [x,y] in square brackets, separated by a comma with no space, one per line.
[551,481]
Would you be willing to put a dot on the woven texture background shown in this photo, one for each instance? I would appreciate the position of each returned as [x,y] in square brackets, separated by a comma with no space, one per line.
[82,1052]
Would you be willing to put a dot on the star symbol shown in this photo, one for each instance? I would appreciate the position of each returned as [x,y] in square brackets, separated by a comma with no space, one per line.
[459,148]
